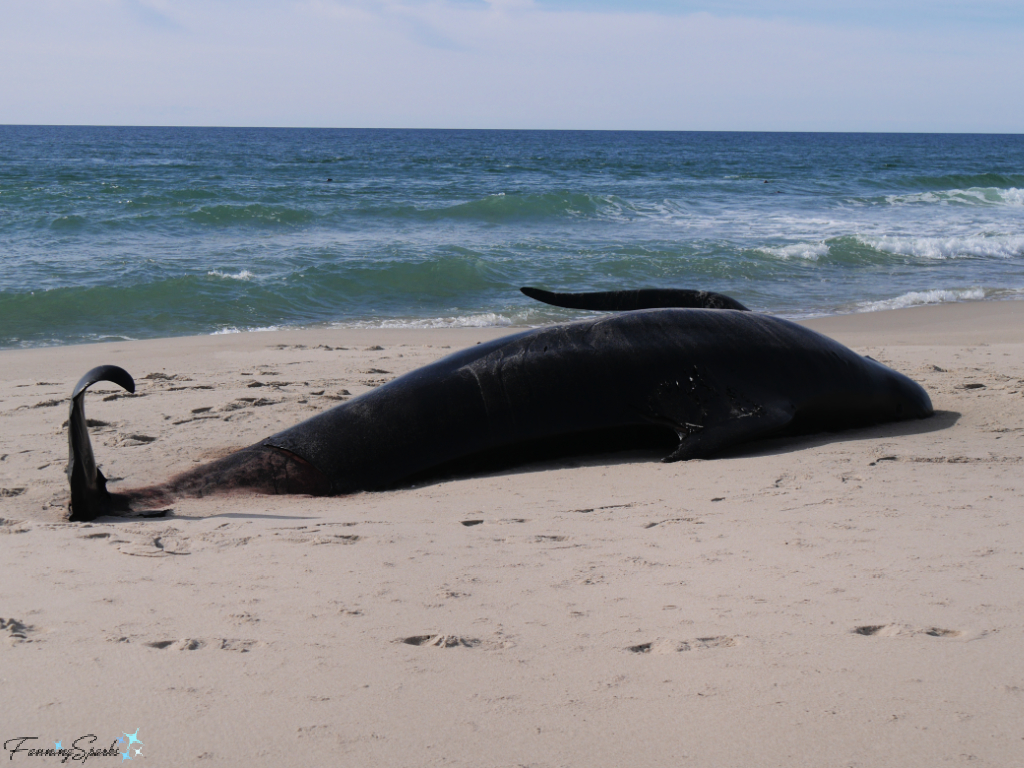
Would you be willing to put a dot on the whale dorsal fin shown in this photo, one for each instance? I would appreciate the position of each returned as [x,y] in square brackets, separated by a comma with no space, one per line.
[642,298]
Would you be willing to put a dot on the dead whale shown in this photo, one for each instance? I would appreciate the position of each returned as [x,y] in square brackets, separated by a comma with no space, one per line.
[711,378]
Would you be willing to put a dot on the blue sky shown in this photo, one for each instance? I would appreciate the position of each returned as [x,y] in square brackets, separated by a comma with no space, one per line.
[901,65]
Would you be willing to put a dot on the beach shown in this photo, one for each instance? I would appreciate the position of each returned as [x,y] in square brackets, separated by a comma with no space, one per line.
[847,599]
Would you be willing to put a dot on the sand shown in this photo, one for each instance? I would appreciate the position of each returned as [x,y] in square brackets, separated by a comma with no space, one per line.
[851,599]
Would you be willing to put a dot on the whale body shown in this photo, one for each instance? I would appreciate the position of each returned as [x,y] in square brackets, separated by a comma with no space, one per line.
[709,379]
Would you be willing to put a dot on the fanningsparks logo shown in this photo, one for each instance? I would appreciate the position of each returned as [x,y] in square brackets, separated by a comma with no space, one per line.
[81,749]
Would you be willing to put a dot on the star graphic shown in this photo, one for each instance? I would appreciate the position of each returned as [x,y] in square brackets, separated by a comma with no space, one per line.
[133,738]
[138,752]
[120,739]
[58,745]
[125,756]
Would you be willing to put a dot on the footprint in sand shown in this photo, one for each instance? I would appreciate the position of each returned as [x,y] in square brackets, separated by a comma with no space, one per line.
[662,646]
[194,644]
[247,402]
[693,520]
[186,644]
[891,630]
[126,440]
[937,632]
[876,630]
[153,546]
[13,526]
[158,376]
[297,536]
[140,541]
[16,631]
[440,641]
[123,396]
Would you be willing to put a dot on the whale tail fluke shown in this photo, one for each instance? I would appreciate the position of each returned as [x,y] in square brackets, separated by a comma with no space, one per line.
[643,298]
[89,495]
[258,468]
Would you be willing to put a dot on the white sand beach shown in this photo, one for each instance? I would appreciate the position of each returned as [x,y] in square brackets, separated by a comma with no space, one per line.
[850,599]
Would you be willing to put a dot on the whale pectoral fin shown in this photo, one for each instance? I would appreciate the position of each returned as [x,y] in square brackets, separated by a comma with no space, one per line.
[702,442]
[89,496]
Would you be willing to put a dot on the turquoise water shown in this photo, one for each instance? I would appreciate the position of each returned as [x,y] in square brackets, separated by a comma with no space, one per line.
[112,233]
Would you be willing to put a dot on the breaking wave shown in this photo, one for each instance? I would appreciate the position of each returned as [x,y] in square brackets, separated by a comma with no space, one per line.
[969,196]
[244,274]
[917,298]
[942,248]
[809,251]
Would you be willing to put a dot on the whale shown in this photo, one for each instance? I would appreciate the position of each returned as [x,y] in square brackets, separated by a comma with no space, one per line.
[700,380]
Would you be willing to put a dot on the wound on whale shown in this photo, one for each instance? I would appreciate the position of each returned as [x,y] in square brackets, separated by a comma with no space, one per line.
[708,378]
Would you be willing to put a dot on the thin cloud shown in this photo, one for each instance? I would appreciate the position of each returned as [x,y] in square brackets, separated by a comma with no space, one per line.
[152,15]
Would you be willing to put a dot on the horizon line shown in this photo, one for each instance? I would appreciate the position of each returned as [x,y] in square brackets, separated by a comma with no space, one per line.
[520,130]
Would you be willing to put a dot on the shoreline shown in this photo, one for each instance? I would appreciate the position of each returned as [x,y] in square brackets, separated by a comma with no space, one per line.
[830,599]
[514,327]
[934,323]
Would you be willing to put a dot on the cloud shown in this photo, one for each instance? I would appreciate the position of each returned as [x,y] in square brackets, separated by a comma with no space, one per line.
[153,14]
[499,64]
[887,14]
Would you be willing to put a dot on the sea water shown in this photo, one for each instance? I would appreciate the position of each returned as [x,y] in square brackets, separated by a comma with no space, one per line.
[116,233]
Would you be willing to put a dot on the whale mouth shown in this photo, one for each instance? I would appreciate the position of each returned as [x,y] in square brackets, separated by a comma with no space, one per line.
[89,496]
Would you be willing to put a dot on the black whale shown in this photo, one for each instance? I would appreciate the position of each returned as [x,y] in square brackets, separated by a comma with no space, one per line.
[714,378]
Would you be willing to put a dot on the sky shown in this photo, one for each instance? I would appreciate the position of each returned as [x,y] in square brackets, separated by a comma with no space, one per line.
[743,65]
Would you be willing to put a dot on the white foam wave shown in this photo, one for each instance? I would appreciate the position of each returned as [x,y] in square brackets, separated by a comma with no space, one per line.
[235,329]
[483,320]
[809,251]
[245,274]
[1013,196]
[917,298]
[971,196]
[100,337]
[998,246]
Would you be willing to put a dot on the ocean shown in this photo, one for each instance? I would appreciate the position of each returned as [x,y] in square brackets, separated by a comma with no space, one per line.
[132,233]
